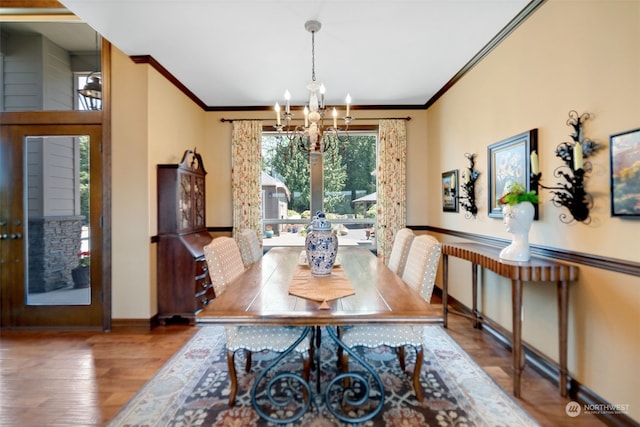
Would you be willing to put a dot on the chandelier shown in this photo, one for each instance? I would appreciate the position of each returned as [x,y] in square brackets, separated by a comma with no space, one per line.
[312,137]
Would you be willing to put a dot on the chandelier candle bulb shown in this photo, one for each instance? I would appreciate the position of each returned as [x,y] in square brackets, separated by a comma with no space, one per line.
[578,162]
[313,136]
[535,168]
[287,96]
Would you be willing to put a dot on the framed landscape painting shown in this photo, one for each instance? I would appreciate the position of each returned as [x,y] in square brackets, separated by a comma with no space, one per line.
[625,173]
[450,191]
[510,161]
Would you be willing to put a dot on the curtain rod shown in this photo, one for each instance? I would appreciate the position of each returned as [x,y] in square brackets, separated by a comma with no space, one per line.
[223,120]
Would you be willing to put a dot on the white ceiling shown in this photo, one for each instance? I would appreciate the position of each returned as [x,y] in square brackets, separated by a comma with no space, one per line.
[248,52]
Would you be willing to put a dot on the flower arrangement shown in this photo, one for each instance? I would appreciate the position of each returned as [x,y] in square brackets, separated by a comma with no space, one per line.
[517,194]
[268,228]
[85,259]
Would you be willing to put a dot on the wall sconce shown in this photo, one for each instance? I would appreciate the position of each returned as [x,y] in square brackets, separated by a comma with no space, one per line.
[571,194]
[468,197]
[91,93]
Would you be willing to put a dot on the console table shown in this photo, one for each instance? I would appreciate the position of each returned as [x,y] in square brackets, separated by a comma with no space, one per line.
[534,270]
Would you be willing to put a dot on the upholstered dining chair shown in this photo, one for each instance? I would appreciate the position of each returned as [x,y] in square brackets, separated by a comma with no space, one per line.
[250,246]
[419,273]
[400,249]
[225,265]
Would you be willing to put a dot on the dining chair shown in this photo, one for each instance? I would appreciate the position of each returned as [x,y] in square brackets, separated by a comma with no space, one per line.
[419,273]
[400,249]
[225,266]
[250,246]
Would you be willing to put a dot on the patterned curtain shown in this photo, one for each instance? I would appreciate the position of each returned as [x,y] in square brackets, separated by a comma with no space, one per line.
[246,166]
[392,183]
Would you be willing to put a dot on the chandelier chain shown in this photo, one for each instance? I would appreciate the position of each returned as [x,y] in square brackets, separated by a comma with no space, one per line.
[313,56]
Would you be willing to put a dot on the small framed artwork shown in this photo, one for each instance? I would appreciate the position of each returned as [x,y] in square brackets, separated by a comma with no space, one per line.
[510,161]
[625,173]
[450,191]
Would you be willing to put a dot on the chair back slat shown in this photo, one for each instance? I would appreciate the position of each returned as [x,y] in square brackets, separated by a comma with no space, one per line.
[224,261]
[422,264]
[400,250]
[250,246]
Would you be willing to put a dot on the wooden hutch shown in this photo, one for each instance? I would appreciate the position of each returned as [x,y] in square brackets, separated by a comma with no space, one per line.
[184,286]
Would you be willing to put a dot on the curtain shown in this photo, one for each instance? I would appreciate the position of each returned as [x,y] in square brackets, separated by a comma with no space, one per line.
[392,183]
[246,167]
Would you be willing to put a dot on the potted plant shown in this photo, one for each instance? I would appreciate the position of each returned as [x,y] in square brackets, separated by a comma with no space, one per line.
[268,231]
[518,211]
[517,194]
[81,274]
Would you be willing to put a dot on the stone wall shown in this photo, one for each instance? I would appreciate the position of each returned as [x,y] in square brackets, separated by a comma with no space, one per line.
[54,245]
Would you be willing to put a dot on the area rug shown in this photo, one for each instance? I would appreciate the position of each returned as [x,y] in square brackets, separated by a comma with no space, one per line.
[192,388]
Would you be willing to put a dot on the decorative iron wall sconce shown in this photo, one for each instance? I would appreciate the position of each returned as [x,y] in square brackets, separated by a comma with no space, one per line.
[571,194]
[468,197]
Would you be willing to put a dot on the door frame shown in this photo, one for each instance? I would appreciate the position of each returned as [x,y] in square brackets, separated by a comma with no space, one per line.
[103,119]
[15,127]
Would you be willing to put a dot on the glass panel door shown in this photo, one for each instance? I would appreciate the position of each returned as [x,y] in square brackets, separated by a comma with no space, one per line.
[51,208]
[57,249]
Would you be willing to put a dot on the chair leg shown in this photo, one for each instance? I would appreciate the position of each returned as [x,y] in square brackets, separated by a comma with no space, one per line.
[416,373]
[247,366]
[400,353]
[307,360]
[344,362]
[232,376]
[315,331]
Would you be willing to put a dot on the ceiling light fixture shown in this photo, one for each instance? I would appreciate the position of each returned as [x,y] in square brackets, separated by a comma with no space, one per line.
[312,137]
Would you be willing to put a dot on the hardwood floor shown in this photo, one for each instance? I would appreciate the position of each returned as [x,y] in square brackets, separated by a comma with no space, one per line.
[80,378]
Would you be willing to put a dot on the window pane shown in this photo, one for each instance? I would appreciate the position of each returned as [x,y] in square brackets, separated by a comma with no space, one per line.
[350,188]
[348,185]
[39,63]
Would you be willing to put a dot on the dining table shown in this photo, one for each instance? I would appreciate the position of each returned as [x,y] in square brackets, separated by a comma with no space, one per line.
[279,290]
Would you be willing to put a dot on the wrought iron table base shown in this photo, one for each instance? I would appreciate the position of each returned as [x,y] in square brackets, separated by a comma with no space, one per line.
[292,388]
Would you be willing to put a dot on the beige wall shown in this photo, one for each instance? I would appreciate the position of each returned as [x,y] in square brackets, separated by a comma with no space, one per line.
[153,122]
[568,55]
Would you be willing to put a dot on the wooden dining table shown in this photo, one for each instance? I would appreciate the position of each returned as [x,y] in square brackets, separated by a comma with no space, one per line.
[262,295]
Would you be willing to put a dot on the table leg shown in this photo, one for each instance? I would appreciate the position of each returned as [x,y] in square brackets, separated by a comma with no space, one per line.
[291,395]
[445,286]
[347,399]
[516,295]
[318,346]
[474,289]
[563,319]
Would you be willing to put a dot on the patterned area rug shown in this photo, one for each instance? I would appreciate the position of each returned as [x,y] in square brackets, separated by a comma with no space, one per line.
[192,389]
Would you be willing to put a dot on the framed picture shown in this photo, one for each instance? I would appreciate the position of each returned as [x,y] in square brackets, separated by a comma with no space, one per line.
[450,191]
[509,162]
[625,173]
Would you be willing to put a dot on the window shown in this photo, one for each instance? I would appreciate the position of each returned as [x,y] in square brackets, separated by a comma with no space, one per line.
[347,185]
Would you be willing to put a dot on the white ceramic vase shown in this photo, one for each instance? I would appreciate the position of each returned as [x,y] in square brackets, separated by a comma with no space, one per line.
[321,245]
[518,219]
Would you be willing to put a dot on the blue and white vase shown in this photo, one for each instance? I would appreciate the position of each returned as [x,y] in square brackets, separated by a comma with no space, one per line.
[321,245]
